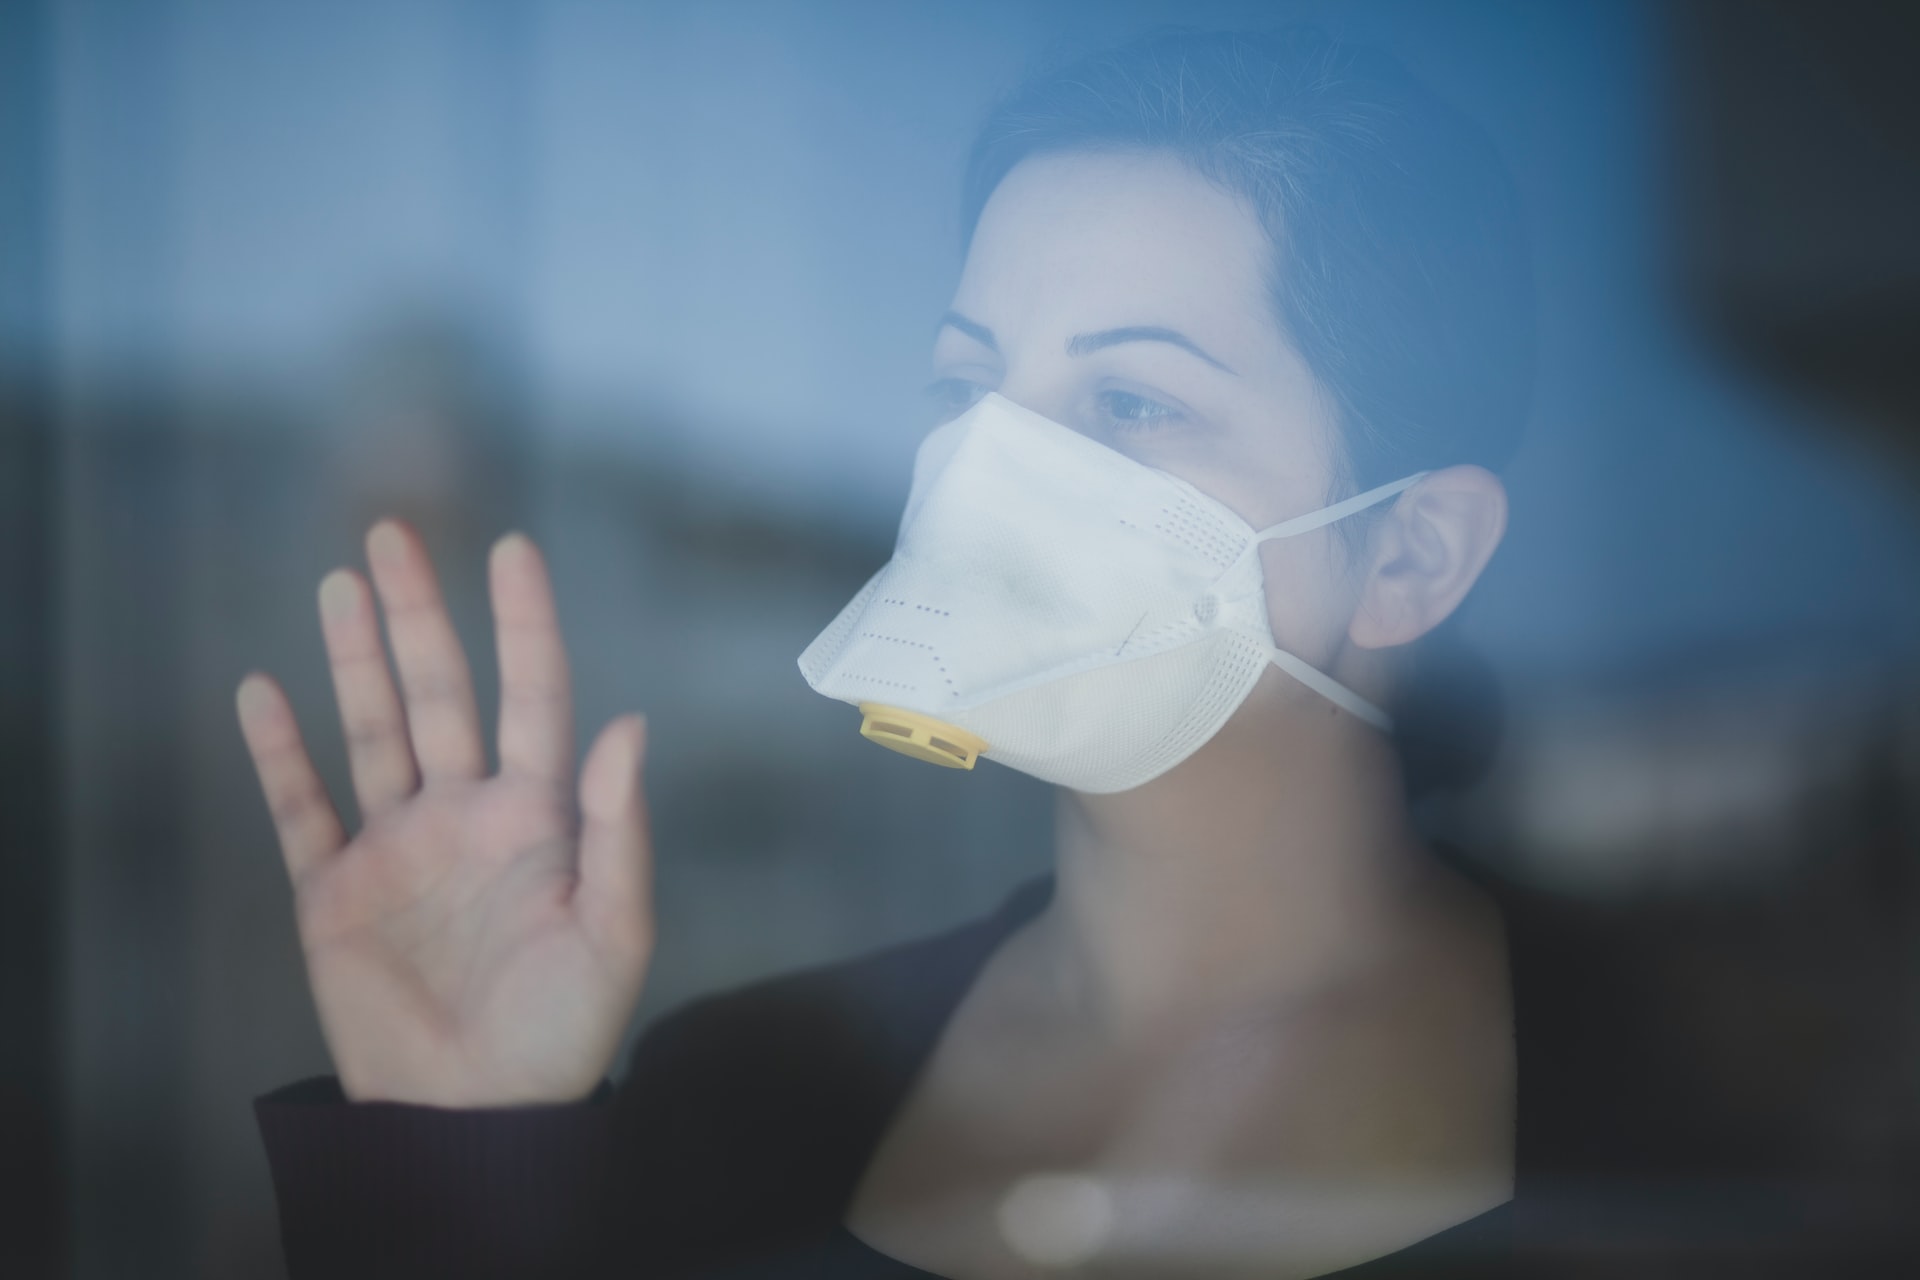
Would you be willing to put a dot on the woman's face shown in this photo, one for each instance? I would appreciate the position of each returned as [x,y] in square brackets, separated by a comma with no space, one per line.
[1123,295]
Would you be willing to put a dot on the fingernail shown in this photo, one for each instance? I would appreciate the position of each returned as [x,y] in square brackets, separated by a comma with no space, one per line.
[384,541]
[338,595]
[515,543]
[251,696]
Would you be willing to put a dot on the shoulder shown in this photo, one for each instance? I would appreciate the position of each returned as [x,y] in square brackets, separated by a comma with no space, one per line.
[747,1116]
[839,1014]
[881,1004]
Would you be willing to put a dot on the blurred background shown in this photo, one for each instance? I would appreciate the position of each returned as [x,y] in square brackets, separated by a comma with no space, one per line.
[656,282]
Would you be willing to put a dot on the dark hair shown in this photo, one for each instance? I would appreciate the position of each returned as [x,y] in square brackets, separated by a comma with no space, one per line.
[1400,269]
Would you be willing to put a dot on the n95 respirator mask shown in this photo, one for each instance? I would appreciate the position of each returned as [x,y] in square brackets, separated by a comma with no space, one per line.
[1061,608]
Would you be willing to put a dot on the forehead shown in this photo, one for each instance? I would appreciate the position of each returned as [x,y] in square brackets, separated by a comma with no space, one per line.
[1089,240]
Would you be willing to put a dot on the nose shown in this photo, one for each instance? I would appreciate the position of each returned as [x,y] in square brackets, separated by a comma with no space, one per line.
[1054,402]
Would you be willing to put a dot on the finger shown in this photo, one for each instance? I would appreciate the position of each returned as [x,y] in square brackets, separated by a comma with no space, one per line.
[442,720]
[536,704]
[378,752]
[615,894]
[309,829]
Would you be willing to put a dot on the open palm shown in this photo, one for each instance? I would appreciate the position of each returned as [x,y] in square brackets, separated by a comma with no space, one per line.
[478,942]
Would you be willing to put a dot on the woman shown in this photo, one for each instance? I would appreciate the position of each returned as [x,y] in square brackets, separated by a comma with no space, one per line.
[1250,1025]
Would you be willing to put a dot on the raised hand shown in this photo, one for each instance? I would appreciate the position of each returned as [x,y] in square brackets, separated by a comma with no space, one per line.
[477,942]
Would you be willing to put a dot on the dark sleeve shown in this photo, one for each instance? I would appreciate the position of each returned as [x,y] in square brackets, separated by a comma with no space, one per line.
[379,1188]
[736,1135]
[730,1137]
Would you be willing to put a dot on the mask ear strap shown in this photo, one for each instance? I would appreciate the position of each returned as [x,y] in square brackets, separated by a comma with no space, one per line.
[1324,516]
[1330,689]
[1307,674]
[1339,510]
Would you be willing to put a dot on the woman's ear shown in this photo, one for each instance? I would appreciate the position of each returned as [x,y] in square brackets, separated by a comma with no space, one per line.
[1427,552]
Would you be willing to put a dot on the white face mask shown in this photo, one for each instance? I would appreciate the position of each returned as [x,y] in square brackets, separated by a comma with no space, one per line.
[1058,607]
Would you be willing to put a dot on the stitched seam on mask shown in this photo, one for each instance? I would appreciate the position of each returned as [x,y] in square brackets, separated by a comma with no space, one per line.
[876,681]
[1074,667]
[933,654]
[908,604]
[831,645]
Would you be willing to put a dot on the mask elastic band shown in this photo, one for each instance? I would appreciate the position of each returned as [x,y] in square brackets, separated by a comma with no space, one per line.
[1312,677]
[1339,510]
[1330,689]
[1324,516]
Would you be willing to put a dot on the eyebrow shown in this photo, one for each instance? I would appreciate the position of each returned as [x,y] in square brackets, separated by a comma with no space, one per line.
[972,328]
[1084,343]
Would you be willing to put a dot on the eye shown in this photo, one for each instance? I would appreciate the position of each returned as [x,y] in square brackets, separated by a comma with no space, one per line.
[1127,411]
[954,395]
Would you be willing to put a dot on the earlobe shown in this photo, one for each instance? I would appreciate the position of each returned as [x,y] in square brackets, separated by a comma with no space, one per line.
[1428,552]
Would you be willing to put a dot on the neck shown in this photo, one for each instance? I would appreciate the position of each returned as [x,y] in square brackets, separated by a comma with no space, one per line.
[1275,862]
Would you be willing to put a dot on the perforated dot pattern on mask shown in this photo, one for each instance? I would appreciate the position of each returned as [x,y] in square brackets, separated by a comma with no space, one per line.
[1200,530]
[928,652]
[1239,666]
[829,643]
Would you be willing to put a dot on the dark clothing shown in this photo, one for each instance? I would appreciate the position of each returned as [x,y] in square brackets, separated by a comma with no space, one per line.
[732,1147]
[746,1119]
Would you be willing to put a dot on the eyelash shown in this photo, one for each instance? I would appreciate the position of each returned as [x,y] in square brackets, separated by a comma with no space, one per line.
[1163,415]
[957,395]
[954,395]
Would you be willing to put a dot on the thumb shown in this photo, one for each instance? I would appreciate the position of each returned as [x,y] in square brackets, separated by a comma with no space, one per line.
[615,893]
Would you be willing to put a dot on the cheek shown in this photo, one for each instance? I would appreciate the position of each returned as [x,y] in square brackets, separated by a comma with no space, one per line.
[1277,468]
[1309,601]
[1261,487]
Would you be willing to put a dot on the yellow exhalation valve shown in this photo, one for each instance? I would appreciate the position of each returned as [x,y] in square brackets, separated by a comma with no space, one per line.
[920,736]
